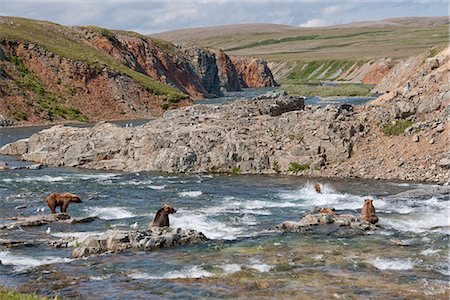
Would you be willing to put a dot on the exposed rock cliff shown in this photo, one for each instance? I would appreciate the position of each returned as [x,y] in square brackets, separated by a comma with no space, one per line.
[52,73]
[253,72]
[256,136]
[205,65]
[275,133]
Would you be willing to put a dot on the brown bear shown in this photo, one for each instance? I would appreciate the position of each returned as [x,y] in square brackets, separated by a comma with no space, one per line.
[61,200]
[328,211]
[368,212]
[318,188]
[162,216]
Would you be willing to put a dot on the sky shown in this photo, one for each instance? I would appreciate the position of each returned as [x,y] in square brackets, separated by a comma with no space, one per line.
[158,16]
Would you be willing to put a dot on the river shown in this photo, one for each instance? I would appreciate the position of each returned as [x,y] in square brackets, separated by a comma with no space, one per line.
[406,258]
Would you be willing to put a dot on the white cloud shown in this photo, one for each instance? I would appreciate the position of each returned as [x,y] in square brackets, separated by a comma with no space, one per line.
[157,15]
[317,23]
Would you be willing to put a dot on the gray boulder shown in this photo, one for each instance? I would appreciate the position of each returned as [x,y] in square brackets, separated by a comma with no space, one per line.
[154,238]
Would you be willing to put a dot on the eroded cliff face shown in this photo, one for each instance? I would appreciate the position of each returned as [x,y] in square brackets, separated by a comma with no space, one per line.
[276,133]
[158,59]
[51,73]
[253,72]
[39,87]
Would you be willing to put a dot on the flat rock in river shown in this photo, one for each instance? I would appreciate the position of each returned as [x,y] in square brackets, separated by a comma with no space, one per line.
[154,238]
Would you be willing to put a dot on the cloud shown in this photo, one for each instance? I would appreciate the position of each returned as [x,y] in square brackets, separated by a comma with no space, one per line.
[155,16]
[317,23]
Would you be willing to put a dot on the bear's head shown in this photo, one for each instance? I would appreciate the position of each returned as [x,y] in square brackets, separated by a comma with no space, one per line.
[169,209]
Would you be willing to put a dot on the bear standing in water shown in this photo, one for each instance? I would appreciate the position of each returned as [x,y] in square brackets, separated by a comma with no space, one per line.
[318,188]
[61,200]
[162,216]
[368,212]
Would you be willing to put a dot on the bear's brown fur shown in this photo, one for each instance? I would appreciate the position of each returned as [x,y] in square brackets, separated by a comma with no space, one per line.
[61,200]
[318,188]
[368,212]
[328,211]
[162,216]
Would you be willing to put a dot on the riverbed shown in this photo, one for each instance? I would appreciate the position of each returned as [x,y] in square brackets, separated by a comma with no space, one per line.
[407,257]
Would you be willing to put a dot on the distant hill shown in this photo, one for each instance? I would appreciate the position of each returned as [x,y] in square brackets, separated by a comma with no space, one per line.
[212,31]
[395,38]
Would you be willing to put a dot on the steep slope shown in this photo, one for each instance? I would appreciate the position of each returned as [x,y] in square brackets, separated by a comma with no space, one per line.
[52,73]
[403,135]
[358,52]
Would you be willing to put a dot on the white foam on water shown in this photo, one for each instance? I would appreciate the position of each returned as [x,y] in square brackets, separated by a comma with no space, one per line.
[157,187]
[429,251]
[190,194]
[96,177]
[230,268]
[192,272]
[308,197]
[213,229]
[75,234]
[318,257]
[444,271]
[99,278]
[136,182]
[22,262]
[44,178]
[420,222]
[392,264]
[110,213]
[259,266]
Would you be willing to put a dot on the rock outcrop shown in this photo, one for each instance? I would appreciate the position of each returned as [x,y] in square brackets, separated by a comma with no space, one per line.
[326,223]
[274,133]
[205,65]
[253,72]
[228,76]
[39,220]
[154,238]
[245,136]
[51,73]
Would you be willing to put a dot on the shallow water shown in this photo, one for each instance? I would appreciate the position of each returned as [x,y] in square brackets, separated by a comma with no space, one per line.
[407,258]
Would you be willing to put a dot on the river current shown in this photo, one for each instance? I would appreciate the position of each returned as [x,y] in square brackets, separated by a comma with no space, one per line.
[406,258]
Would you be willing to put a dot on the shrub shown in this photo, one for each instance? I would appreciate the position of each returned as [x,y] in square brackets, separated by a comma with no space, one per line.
[276,167]
[235,170]
[397,128]
[296,167]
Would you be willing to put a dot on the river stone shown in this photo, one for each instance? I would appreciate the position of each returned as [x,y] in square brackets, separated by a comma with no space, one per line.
[154,238]
[315,220]
[39,220]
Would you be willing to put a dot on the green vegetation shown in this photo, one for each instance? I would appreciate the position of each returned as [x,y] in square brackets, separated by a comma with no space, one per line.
[6,294]
[312,44]
[275,41]
[235,170]
[103,31]
[47,101]
[296,167]
[52,37]
[342,89]
[397,127]
[276,167]
[320,69]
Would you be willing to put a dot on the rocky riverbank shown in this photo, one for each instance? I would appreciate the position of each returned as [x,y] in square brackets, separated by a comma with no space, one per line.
[403,138]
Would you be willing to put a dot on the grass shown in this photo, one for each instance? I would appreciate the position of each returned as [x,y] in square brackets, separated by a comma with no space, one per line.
[396,128]
[47,101]
[276,167]
[295,167]
[342,89]
[7,294]
[52,37]
[309,44]
[235,170]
